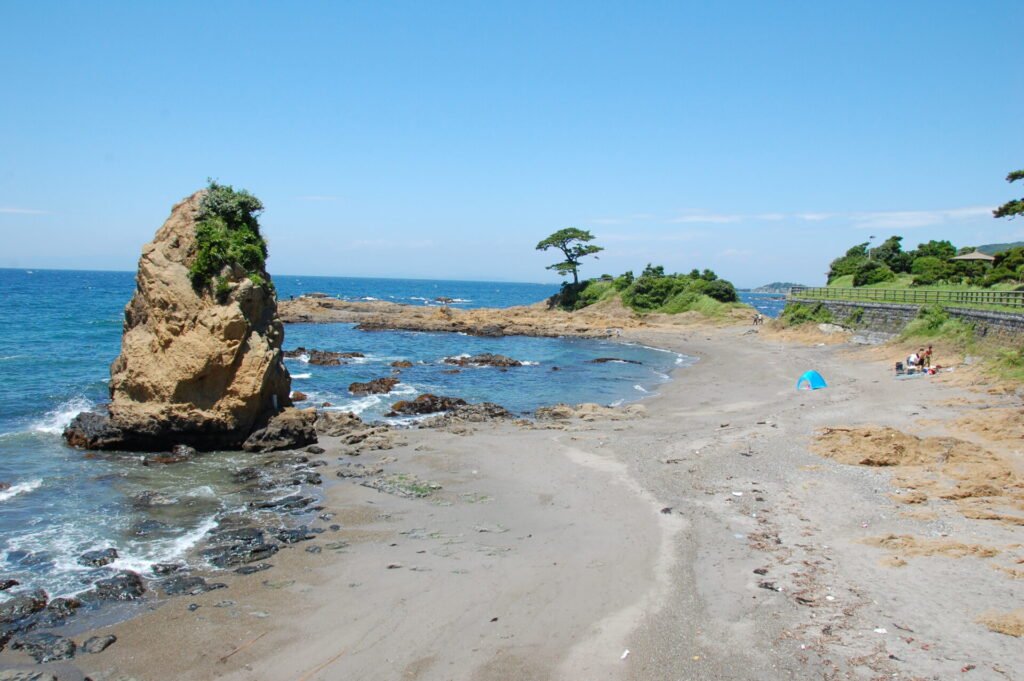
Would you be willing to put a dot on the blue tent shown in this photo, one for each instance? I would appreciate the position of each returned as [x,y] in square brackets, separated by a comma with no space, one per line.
[811,380]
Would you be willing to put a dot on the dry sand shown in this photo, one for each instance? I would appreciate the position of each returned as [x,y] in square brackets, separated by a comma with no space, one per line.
[721,536]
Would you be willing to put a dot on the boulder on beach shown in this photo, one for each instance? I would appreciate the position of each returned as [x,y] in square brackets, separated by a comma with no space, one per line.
[201,362]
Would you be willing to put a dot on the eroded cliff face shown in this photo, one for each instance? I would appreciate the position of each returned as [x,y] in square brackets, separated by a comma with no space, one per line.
[194,368]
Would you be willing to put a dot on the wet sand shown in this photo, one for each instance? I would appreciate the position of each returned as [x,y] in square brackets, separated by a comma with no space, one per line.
[707,538]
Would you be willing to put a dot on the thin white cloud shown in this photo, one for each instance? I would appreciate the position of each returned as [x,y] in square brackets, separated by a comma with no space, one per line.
[690,235]
[912,219]
[9,210]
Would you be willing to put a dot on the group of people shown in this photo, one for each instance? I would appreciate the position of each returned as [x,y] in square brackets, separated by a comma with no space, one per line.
[758,319]
[918,361]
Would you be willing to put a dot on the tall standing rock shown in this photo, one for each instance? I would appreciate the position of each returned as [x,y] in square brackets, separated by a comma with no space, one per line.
[200,364]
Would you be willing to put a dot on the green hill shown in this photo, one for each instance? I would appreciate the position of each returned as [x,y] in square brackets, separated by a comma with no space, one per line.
[992,249]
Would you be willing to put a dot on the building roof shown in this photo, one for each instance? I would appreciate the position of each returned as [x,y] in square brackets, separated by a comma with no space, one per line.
[974,255]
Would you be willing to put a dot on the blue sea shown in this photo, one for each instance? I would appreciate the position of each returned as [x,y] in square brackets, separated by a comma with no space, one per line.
[61,330]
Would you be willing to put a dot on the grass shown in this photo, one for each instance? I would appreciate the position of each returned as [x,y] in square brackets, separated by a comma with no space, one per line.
[903,282]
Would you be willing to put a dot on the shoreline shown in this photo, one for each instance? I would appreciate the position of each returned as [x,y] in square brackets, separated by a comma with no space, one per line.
[588,585]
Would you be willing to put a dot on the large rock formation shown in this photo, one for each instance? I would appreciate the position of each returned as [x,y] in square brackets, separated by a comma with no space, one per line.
[198,366]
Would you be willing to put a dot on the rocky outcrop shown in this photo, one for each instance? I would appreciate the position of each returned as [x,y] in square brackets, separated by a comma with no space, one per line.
[291,428]
[589,411]
[197,366]
[485,360]
[425,404]
[378,386]
[614,360]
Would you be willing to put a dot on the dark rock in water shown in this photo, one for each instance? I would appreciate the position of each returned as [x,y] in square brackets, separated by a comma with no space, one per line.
[556,369]
[317,463]
[191,585]
[306,478]
[252,569]
[98,558]
[90,430]
[402,364]
[6,584]
[322,357]
[63,607]
[148,527]
[178,454]
[166,568]
[150,498]
[44,647]
[124,586]
[22,606]
[378,386]
[605,360]
[246,474]
[299,396]
[286,430]
[294,536]
[484,360]
[315,449]
[326,404]
[97,644]
[425,404]
[288,503]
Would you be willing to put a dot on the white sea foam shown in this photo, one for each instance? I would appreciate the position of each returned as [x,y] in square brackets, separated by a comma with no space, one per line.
[56,420]
[20,488]
[7,357]
[528,363]
[641,388]
[302,375]
[361,405]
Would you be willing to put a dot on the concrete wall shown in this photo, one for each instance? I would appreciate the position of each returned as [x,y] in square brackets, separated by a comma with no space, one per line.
[891,318]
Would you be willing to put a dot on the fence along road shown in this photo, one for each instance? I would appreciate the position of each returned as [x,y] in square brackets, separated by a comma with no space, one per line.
[1012,299]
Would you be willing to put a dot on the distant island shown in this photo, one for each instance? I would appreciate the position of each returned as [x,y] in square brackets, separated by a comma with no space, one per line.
[781,287]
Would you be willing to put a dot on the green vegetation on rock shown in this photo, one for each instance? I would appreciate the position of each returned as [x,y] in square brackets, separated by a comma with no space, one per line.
[228,236]
[654,291]
[795,314]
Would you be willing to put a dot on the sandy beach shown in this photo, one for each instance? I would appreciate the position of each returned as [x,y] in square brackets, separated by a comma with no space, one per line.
[705,538]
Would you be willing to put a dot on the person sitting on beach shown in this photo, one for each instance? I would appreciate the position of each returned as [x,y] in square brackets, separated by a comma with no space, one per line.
[913,361]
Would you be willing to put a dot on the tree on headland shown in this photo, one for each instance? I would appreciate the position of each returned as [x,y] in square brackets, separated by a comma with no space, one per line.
[1011,209]
[573,243]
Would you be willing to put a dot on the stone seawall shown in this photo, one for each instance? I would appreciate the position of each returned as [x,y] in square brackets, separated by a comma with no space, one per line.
[892,318]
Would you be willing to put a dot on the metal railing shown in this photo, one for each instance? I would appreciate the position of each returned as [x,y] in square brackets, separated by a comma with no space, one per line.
[910,296]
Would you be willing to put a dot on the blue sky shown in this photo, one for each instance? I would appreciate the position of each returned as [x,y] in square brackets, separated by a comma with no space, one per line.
[444,140]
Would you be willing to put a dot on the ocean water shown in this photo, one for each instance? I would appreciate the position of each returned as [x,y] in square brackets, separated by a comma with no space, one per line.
[768,304]
[61,329]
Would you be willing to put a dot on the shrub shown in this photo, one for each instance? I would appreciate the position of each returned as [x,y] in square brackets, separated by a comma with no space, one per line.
[872,272]
[622,282]
[930,269]
[228,234]
[722,291]
[933,321]
[801,313]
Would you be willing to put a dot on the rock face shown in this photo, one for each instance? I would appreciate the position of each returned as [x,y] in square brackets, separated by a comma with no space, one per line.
[193,369]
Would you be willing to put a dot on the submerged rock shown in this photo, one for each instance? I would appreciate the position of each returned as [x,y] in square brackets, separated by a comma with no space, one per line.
[425,404]
[197,367]
[378,386]
[98,558]
[21,606]
[617,360]
[402,364]
[484,360]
